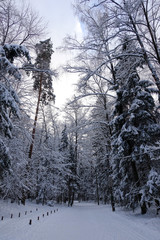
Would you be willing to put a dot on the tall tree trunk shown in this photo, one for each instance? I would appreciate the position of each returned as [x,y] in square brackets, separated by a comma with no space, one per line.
[36,117]
[45,123]
[112,201]
[97,189]
[69,193]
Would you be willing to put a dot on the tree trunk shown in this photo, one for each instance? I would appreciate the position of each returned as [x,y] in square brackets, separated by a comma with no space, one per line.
[112,201]
[72,200]
[69,193]
[97,189]
[143,208]
[36,117]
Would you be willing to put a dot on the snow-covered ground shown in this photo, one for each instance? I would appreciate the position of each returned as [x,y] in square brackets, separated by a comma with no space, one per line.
[84,221]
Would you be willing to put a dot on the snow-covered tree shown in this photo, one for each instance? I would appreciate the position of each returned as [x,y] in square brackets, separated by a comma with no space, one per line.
[151,190]
[47,168]
[15,183]
[138,18]
[99,60]
[9,102]
[94,64]
[135,130]
[101,147]
[69,161]
[78,127]
[42,80]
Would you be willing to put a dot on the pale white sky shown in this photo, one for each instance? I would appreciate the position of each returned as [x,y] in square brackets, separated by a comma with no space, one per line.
[61,21]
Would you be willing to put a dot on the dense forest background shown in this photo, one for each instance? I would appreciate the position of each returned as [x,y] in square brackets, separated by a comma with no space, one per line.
[106,147]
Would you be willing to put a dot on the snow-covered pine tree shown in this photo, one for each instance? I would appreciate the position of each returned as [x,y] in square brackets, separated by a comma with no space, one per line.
[9,102]
[42,80]
[135,130]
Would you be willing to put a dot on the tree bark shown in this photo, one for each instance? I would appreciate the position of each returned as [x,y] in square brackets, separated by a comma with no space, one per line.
[36,118]
[112,201]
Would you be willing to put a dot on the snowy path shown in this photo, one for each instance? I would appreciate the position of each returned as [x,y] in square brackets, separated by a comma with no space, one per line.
[81,222]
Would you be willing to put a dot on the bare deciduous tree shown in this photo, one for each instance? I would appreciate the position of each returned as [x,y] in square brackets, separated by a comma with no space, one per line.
[19,24]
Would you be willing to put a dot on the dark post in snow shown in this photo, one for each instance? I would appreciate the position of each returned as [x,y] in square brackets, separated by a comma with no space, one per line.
[30,221]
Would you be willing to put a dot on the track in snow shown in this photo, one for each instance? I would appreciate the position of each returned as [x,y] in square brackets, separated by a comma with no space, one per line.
[81,222]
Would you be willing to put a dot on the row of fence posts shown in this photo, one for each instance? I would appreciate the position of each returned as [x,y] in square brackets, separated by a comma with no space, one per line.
[38,218]
[30,221]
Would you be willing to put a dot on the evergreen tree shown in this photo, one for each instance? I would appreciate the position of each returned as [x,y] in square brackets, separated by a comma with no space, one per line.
[151,190]
[9,102]
[135,130]
[42,80]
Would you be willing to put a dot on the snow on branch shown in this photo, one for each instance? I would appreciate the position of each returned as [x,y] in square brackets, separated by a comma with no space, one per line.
[7,67]
[90,94]
[13,51]
[8,52]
